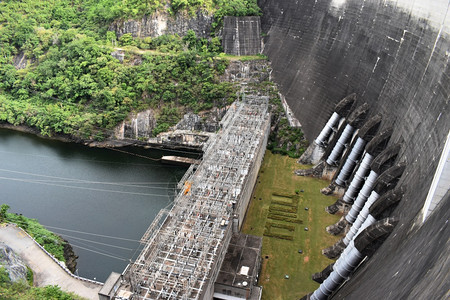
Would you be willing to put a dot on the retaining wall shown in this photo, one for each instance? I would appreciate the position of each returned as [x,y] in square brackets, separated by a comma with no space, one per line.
[59,263]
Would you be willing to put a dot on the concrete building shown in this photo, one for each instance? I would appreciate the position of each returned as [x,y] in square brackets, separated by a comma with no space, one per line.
[238,274]
[183,249]
[110,287]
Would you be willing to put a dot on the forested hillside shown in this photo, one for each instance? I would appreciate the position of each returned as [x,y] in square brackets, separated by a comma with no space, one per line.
[57,73]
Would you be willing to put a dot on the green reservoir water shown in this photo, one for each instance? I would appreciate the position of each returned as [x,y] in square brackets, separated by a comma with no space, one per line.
[78,190]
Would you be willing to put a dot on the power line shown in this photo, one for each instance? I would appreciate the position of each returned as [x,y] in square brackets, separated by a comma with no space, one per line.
[79,159]
[64,179]
[196,153]
[71,179]
[130,184]
[94,234]
[94,242]
[81,181]
[82,188]
[130,153]
[96,248]
[101,253]
[153,165]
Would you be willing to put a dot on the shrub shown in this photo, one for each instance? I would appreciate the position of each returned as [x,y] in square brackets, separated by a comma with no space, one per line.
[283,208]
[276,216]
[127,40]
[53,243]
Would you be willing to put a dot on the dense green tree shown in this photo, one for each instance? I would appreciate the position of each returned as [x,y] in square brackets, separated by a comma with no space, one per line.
[3,211]
[72,84]
[4,277]
[111,38]
[127,40]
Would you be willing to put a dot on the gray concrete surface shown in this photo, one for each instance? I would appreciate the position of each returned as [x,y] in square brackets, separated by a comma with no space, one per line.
[46,271]
[241,35]
[395,56]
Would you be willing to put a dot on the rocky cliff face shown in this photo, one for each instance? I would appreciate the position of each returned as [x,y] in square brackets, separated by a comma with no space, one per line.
[207,121]
[13,264]
[70,256]
[186,139]
[193,130]
[161,22]
[138,127]
[252,71]
[21,61]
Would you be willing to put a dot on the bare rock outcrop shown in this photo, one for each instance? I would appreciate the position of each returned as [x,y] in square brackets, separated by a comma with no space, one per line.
[138,127]
[161,22]
[13,263]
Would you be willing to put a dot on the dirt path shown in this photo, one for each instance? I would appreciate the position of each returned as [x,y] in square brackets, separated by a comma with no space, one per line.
[46,271]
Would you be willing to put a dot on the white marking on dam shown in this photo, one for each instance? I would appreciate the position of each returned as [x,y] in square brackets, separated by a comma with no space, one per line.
[441,182]
[374,67]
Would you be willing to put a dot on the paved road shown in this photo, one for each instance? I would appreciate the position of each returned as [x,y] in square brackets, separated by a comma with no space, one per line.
[46,271]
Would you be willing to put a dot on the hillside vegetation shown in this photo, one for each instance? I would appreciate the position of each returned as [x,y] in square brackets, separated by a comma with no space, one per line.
[53,243]
[24,290]
[57,73]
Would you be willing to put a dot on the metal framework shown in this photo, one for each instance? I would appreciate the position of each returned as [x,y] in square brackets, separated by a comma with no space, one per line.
[184,247]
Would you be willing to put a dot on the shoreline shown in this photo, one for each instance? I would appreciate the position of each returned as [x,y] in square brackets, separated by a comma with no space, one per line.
[107,143]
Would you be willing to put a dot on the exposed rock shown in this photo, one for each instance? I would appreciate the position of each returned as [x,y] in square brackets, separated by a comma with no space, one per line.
[137,61]
[13,263]
[20,61]
[70,256]
[189,122]
[252,71]
[160,23]
[138,126]
[118,54]
[208,121]
[192,131]
[182,138]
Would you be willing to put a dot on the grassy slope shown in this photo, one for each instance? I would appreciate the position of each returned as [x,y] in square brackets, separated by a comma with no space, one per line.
[276,175]
[53,243]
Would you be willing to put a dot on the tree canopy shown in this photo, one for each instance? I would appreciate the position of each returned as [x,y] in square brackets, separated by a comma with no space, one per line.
[58,74]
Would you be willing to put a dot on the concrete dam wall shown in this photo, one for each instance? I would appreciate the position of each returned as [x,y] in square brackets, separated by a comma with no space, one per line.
[395,56]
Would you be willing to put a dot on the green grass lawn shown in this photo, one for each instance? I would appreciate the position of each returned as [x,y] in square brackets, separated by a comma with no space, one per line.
[276,183]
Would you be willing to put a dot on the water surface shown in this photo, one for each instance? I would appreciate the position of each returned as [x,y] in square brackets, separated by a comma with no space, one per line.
[79,190]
